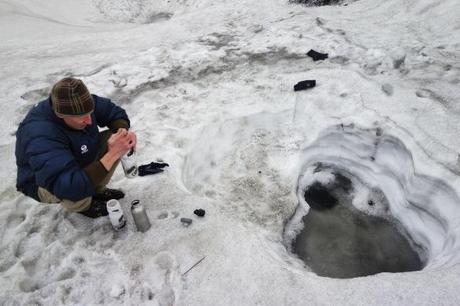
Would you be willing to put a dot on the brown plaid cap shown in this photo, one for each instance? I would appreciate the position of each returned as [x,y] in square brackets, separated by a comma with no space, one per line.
[70,97]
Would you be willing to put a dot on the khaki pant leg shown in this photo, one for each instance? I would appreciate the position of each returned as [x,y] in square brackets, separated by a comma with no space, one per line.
[105,135]
[47,197]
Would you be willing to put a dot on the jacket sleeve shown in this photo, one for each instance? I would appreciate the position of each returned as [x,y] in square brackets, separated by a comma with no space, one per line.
[108,114]
[96,172]
[56,169]
[117,124]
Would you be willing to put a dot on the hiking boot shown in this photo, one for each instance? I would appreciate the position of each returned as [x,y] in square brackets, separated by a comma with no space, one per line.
[96,210]
[109,194]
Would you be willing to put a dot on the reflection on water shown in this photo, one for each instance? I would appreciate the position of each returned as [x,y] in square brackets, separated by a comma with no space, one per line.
[341,242]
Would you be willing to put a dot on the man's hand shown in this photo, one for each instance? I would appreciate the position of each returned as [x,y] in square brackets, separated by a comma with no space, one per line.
[132,139]
[121,142]
[118,145]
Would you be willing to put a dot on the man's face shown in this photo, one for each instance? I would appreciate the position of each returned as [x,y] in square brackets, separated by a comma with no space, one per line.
[78,122]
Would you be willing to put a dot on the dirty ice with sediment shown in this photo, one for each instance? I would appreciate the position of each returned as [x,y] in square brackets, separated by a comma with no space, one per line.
[208,86]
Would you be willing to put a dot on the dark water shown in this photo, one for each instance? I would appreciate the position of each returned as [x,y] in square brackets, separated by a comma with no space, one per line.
[316,2]
[341,242]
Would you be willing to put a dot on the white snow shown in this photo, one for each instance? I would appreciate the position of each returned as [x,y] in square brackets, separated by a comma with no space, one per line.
[208,86]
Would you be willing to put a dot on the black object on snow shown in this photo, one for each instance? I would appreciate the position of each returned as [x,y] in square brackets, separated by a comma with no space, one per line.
[317,56]
[199,212]
[302,85]
[186,221]
[317,2]
[152,168]
[159,164]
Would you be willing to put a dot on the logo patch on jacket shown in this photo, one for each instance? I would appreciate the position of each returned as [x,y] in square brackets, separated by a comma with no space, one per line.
[84,149]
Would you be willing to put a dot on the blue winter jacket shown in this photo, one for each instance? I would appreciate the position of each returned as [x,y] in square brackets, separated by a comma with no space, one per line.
[52,155]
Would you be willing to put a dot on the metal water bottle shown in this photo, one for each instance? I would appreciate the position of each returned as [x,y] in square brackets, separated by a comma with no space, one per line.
[140,216]
[116,216]
[128,162]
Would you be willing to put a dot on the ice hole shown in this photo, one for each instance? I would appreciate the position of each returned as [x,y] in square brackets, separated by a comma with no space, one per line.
[363,208]
[337,240]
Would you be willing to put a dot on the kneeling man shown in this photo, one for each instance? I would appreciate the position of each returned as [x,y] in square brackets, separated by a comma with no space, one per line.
[63,158]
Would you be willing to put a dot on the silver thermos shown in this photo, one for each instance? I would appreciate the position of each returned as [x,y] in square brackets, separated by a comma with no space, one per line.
[128,162]
[140,216]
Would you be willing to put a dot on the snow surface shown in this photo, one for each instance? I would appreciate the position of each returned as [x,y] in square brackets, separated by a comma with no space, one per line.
[208,86]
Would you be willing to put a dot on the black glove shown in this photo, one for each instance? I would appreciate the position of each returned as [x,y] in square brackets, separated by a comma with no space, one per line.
[158,165]
[317,56]
[302,85]
[152,168]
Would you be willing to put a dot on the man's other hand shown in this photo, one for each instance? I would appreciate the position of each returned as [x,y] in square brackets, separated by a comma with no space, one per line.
[118,145]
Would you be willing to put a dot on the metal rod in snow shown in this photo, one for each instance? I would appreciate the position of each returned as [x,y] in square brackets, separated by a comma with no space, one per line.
[196,264]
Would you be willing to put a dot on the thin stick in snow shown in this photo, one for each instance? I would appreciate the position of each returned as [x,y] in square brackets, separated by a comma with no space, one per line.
[196,264]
